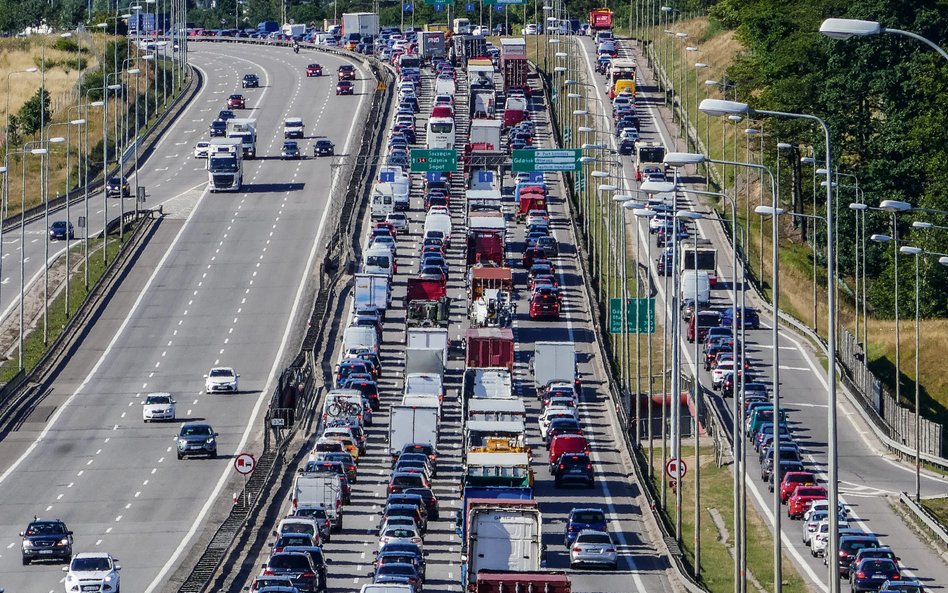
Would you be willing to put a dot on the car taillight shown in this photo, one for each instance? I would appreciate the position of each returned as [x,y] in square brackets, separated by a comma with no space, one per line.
[562,466]
[860,575]
[843,554]
[268,572]
[896,577]
[589,466]
[577,549]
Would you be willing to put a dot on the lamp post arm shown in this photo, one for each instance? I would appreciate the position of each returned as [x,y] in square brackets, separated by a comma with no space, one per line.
[918,37]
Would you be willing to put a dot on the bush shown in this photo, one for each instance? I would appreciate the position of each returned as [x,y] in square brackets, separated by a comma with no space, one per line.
[67,44]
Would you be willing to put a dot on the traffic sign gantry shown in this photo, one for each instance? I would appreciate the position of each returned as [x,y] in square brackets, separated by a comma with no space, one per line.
[244,463]
[546,159]
[676,468]
[434,159]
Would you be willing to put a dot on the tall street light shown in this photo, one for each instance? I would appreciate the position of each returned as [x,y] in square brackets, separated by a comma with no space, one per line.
[894,207]
[40,152]
[78,123]
[6,139]
[846,28]
[646,214]
[719,108]
[105,160]
[44,176]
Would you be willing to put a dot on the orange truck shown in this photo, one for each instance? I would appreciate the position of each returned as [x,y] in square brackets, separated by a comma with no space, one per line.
[600,19]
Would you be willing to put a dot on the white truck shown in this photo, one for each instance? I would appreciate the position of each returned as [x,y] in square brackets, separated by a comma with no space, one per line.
[372,291]
[431,45]
[462,27]
[363,23]
[486,132]
[501,410]
[428,338]
[383,200]
[502,537]
[700,255]
[409,424]
[244,128]
[225,164]
[294,29]
[553,362]
[320,488]
[293,127]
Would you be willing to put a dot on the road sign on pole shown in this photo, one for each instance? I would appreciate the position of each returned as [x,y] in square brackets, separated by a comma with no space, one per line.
[244,463]
[640,313]
[546,159]
[676,468]
[434,159]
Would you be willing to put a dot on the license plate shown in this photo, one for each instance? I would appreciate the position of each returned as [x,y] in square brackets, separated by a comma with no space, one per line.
[45,551]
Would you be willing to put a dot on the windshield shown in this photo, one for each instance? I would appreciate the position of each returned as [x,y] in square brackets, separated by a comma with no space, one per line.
[195,431]
[91,564]
[442,128]
[589,517]
[289,561]
[594,538]
[223,164]
[379,261]
[46,529]
[157,399]
[221,373]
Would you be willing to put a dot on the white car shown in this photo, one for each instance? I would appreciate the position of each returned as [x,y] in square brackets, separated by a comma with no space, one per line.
[531,29]
[717,375]
[384,241]
[396,522]
[221,380]
[398,220]
[90,571]
[158,406]
[201,150]
[824,505]
[812,524]
[392,534]
[551,414]
[821,537]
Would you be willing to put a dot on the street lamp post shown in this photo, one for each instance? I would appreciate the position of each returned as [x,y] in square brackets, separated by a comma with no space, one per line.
[105,160]
[846,28]
[894,207]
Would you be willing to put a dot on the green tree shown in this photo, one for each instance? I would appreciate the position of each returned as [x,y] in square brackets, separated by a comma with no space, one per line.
[34,112]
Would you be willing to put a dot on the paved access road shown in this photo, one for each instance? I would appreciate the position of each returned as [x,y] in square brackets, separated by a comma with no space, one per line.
[222,282]
[868,478]
[351,552]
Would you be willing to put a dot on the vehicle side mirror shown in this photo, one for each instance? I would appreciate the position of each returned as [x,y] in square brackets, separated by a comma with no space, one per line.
[67,533]
[371,574]
[274,533]
[118,567]
[21,534]
[216,434]
[205,376]
[66,568]
[328,560]
[264,565]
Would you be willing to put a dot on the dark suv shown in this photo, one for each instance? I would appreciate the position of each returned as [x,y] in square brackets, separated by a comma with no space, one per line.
[576,467]
[218,128]
[849,545]
[296,565]
[581,519]
[117,186]
[250,81]
[44,540]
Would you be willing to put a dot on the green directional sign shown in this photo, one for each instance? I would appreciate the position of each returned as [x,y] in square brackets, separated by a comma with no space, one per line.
[639,313]
[546,159]
[435,159]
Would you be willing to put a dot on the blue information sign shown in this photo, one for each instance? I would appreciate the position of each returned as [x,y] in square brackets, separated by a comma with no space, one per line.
[439,7]
[469,7]
[387,176]
[485,176]
[409,7]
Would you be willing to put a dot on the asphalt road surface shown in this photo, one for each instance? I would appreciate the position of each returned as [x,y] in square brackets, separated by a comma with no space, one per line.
[221,283]
[868,477]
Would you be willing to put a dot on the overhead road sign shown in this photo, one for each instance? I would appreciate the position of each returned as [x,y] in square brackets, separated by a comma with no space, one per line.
[640,313]
[434,159]
[546,159]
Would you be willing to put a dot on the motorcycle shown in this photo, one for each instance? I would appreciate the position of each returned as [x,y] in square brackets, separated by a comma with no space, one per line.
[296,49]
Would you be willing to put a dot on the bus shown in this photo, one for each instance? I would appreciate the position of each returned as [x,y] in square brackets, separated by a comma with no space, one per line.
[649,160]
[621,75]
[440,133]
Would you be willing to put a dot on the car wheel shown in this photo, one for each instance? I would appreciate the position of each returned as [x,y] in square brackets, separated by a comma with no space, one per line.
[26,561]
[180,456]
[213,455]
[572,566]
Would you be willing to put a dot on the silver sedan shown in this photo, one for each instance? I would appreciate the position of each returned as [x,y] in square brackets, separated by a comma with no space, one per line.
[593,547]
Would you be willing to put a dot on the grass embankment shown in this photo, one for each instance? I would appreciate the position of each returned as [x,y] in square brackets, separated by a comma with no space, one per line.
[717,563]
[717,49]
[33,346]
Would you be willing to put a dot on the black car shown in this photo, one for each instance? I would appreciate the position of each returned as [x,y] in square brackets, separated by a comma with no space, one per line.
[323,147]
[225,114]
[117,186]
[250,81]
[218,128]
[318,559]
[431,501]
[627,147]
[290,150]
[61,230]
[296,565]
[196,439]
[575,467]
[43,540]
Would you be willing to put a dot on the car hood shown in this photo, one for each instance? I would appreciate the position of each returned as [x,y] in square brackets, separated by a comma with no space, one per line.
[194,438]
[90,575]
[153,407]
[220,380]
[45,538]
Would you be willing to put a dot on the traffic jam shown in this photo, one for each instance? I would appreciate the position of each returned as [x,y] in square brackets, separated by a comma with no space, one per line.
[442,425]
[708,318]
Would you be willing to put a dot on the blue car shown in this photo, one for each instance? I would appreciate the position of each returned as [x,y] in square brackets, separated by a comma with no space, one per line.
[749,315]
[582,519]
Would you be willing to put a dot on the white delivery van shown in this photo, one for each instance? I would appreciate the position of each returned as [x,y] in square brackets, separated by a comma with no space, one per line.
[323,489]
[360,336]
[378,261]
[293,127]
[422,401]
[444,85]
[688,280]
[387,588]
[438,222]
[383,200]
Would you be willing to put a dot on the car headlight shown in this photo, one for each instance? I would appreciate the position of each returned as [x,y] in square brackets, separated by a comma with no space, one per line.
[64,542]
[27,543]
[109,578]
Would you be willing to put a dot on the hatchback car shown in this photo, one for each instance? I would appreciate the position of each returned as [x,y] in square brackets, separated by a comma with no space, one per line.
[345,87]
[584,519]
[870,573]
[158,406]
[61,230]
[201,150]
[250,81]
[46,540]
[236,102]
[296,565]
[314,70]
[196,439]
[346,72]
[290,150]
[117,187]
[395,534]
[574,467]
[98,568]
[218,128]
[323,147]
[593,547]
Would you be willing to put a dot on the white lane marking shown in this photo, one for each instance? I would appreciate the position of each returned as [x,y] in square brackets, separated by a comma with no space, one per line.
[252,423]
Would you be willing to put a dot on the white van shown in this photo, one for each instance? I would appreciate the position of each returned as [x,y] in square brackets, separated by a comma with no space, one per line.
[687,284]
[444,85]
[387,588]
[378,261]
[360,336]
[438,222]
[383,201]
[293,127]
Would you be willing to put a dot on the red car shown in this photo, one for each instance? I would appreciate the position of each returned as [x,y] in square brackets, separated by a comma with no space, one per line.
[802,498]
[544,305]
[314,70]
[792,480]
[346,72]
[236,102]
[344,87]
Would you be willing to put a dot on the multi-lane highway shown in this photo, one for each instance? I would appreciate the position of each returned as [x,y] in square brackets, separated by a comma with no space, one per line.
[223,281]
[868,478]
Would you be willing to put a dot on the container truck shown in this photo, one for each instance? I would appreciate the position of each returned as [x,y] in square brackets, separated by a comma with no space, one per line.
[428,338]
[462,26]
[431,45]
[372,291]
[245,129]
[483,495]
[554,362]
[490,347]
[427,302]
[707,258]
[497,409]
[600,19]
[363,23]
[522,582]
[411,425]
[486,238]
[485,134]
[513,63]
[501,535]
[487,384]
[225,164]
[294,30]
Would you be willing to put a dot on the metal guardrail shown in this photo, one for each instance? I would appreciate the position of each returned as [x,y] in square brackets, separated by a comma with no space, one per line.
[925,517]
